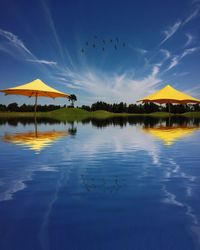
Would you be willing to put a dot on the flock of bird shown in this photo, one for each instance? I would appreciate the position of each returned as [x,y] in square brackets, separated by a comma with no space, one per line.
[103,44]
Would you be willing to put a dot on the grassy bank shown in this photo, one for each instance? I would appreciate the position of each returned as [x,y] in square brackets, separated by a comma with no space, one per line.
[76,114]
[192,114]
[80,114]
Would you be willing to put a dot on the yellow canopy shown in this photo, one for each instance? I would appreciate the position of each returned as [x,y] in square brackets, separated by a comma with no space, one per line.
[35,88]
[170,134]
[170,95]
[35,141]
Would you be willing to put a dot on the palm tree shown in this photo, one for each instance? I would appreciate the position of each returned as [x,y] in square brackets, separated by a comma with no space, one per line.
[72,99]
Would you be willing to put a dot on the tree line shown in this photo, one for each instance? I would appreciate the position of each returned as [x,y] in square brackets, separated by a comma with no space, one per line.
[140,108]
[115,108]
[14,107]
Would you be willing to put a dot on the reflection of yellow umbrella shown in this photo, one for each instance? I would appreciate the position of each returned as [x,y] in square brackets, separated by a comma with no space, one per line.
[170,134]
[35,140]
[34,89]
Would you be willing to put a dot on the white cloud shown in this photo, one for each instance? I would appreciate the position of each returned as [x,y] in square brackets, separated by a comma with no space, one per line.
[42,61]
[16,48]
[189,51]
[51,24]
[180,74]
[176,59]
[194,91]
[112,87]
[166,53]
[190,39]
[191,16]
[6,50]
[156,70]
[168,33]
[171,31]
[15,41]
[142,51]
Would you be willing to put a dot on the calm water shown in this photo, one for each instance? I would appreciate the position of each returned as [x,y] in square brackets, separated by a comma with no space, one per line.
[112,184]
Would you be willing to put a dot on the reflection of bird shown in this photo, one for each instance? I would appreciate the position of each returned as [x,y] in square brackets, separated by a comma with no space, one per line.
[93,45]
[87,43]
[103,49]
[115,46]
[111,40]
[111,185]
[124,44]
[103,41]
[117,39]
[82,50]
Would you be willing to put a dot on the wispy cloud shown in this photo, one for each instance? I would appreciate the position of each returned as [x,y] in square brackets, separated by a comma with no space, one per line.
[15,41]
[180,74]
[51,24]
[51,63]
[6,50]
[191,16]
[155,70]
[171,31]
[142,51]
[166,53]
[189,51]
[190,39]
[194,91]
[176,59]
[16,48]
[111,87]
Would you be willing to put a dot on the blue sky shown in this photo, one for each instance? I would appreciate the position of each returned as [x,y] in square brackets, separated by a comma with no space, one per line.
[43,39]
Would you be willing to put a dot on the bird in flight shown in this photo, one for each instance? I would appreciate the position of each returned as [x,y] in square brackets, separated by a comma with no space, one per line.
[103,43]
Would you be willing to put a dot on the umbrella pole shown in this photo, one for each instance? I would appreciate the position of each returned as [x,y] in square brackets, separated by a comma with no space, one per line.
[35,120]
[35,109]
[169,108]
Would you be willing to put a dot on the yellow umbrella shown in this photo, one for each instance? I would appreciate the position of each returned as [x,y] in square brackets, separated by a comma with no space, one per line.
[170,134]
[35,140]
[34,89]
[170,95]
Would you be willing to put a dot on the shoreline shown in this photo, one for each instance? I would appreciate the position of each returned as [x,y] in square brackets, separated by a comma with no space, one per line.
[80,114]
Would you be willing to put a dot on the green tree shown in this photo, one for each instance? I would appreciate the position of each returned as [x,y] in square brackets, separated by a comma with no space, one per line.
[13,107]
[72,99]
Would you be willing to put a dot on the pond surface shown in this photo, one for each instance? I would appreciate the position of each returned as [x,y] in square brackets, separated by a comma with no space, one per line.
[129,183]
